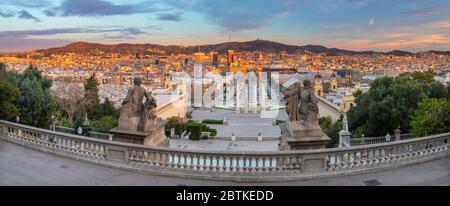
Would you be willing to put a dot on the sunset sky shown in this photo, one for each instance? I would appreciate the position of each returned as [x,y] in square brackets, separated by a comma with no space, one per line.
[380,25]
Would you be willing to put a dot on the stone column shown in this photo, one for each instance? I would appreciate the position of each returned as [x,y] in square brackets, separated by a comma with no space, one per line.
[344,138]
[246,96]
[238,98]
[397,133]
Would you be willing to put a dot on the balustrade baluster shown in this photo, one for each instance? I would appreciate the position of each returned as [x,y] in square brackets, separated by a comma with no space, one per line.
[211,167]
[217,164]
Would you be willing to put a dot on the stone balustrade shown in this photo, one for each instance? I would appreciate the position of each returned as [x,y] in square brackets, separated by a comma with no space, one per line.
[227,165]
[376,140]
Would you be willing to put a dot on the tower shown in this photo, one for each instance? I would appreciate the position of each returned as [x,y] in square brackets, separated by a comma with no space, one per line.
[215,58]
[318,87]
[349,101]
[230,57]
[334,84]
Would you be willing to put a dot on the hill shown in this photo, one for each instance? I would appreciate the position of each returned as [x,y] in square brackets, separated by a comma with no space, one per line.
[257,45]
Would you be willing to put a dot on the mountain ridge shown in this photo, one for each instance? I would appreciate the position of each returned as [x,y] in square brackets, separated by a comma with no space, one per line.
[256,45]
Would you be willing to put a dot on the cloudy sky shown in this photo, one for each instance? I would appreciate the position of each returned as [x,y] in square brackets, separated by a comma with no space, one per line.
[380,25]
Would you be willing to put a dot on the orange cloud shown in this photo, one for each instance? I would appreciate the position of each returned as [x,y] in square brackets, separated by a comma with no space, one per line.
[391,42]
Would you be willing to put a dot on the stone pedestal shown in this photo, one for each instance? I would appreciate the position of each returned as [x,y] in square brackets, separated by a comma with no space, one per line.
[300,137]
[154,134]
[397,134]
[344,138]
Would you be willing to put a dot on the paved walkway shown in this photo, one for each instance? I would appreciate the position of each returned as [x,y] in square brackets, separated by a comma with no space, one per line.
[22,166]
[245,126]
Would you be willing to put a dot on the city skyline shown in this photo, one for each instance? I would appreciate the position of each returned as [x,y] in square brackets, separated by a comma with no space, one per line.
[358,25]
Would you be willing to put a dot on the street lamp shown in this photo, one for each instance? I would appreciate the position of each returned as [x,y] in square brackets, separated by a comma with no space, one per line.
[80,130]
[52,126]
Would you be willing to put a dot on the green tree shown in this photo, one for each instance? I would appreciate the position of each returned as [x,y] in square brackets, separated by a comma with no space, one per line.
[35,103]
[390,102]
[448,90]
[325,122]
[436,90]
[357,93]
[421,77]
[8,94]
[432,117]
[104,124]
[2,67]
[357,133]
[333,133]
[108,109]
[33,73]
[91,98]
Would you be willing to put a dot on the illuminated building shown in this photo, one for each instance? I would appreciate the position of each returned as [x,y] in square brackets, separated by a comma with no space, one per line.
[215,58]
[230,57]
[199,58]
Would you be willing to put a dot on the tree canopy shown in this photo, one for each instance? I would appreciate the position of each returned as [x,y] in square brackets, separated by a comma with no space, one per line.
[34,101]
[91,98]
[391,101]
[26,95]
[8,94]
[431,117]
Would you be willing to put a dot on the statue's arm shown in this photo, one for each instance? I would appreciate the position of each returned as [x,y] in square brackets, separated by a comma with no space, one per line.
[154,102]
[151,99]
[313,102]
[127,98]
[146,94]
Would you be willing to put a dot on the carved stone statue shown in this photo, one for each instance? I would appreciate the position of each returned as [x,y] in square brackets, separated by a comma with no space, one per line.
[345,123]
[301,104]
[148,113]
[138,123]
[302,130]
[134,114]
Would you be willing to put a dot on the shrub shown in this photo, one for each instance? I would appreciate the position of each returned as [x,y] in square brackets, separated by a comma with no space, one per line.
[104,124]
[195,129]
[212,121]
[66,122]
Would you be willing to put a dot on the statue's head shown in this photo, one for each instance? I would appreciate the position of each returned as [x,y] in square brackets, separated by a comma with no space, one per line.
[137,81]
[306,83]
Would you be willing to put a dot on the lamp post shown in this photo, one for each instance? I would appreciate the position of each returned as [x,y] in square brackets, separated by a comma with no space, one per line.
[79,130]
[53,126]
[233,137]
[388,137]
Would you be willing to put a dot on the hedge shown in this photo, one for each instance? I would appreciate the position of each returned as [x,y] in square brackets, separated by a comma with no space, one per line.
[195,128]
[212,121]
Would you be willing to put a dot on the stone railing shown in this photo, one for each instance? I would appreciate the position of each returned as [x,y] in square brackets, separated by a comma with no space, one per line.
[227,165]
[376,140]
[97,135]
